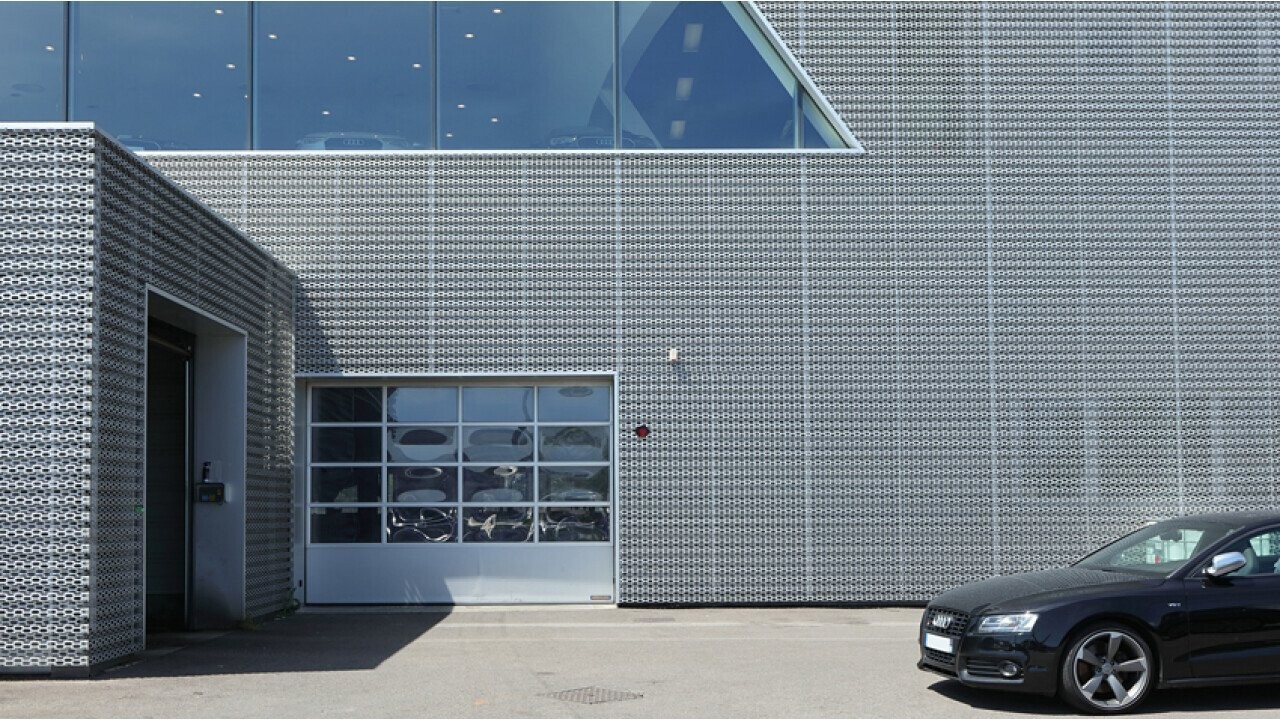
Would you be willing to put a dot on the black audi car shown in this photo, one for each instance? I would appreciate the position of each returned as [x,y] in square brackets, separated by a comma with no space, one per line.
[1189,601]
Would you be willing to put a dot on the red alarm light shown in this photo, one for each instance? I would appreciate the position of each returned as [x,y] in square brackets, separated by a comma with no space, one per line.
[642,431]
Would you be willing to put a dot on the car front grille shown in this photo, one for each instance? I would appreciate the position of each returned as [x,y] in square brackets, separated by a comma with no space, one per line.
[953,628]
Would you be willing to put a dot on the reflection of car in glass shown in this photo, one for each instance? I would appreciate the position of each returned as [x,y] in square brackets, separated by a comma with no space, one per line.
[574,444]
[594,138]
[1187,601]
[420,524]
[421,444]
[578,524]
[136,143]
[352,141]
[511,524]
[498,444]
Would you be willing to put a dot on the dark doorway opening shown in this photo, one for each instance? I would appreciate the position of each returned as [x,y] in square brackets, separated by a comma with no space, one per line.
[170,351]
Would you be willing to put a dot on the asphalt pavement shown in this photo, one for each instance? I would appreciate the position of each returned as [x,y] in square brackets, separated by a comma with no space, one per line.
[559,662]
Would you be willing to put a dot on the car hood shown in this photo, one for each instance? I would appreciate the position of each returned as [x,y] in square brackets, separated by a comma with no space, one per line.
[1013,592]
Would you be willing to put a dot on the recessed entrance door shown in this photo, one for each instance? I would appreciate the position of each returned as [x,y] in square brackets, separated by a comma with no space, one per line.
[169,357]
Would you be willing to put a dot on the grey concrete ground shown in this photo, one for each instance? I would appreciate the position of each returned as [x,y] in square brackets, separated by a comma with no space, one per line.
[474,662]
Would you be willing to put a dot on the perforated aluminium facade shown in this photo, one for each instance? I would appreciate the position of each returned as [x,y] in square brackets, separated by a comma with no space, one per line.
[1042,307]
[88,231]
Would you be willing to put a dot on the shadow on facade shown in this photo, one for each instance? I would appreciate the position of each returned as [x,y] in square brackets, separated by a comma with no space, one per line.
[309,642]
[1189,700]
[313,351]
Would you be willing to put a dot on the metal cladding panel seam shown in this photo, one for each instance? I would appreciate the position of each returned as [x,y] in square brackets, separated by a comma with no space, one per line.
[151,233]
[47,255]
[1042,308]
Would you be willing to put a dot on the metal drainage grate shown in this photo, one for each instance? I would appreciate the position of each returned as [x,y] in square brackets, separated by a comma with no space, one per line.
[593,695]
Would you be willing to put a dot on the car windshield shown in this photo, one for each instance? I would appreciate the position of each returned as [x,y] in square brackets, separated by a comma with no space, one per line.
[1157,549]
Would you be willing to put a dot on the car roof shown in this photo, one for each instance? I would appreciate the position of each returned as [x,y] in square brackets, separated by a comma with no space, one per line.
[1238,519]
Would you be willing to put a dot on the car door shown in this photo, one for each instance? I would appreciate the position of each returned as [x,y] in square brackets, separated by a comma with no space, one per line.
[1234,621]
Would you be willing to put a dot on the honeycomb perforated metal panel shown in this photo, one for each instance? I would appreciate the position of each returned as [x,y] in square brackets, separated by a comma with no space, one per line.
[46,396]
[85,228]
[1042,308]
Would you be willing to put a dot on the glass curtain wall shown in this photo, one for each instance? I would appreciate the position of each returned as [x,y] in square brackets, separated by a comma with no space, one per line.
[163,75]
[32,61]
[342,76]
[407,75]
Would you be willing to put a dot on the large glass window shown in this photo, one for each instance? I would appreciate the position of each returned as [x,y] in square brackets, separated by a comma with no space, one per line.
[702,75]
[342,75]
[332,76]
[164,75]
[470,463]
[32,54]
[525,75]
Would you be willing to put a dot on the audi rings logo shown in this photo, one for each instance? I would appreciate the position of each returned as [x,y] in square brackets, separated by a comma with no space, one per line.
[942,621]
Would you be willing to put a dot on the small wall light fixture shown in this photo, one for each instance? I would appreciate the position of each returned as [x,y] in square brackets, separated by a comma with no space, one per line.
[673,355]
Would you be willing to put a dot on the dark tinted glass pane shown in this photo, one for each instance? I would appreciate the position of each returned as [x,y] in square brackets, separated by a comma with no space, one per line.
[503,483]
[31,61]
[497,524]
[573,443]
[573,484]
[438,404]
[575,403]
[168,75]
[358,404]
[342,75]
[818,132]
[346,525]
[422,484]
[701,75]
[346,444]
[497,444]
[421,524]
[346,485]
[525,75]
[497,404]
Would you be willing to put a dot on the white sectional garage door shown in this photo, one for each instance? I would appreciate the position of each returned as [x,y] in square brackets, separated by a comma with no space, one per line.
[460,492]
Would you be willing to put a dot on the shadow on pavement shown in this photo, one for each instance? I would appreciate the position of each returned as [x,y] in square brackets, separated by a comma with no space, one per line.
[1193,700]
[308,642]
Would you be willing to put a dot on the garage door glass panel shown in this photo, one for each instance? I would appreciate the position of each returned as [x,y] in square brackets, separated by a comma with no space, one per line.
[346,404]
[346,444]
[573,403]
[497,524]
[346,525]
[503,443]
[573,524]
[422,524]
[422,444]
[497,404]
[427,484]
[573,443]
[429,404]
[500,483]
[573,484]
[346,484]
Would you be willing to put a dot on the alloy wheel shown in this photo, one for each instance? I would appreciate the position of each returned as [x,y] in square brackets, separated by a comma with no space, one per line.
[1111,670]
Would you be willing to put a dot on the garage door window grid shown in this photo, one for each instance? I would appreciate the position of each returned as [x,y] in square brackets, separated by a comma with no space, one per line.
[460,464]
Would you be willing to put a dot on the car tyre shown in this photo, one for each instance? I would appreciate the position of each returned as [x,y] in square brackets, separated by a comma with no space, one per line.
[1108,669]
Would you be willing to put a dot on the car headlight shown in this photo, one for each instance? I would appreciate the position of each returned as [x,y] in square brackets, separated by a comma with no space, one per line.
[1019,623]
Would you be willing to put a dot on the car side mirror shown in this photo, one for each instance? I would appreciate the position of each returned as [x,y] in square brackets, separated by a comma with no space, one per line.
[1225,564]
